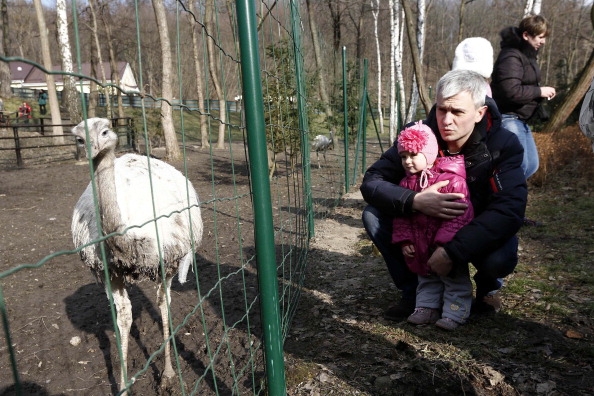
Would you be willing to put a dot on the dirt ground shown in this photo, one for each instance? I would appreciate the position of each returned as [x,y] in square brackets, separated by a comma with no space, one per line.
[53,301]
[338,343]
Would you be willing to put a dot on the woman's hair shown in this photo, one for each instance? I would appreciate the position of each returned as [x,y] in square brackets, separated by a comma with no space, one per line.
[456,81]
[534,25]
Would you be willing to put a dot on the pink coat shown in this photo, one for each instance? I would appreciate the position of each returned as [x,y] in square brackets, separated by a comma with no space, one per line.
[427,233]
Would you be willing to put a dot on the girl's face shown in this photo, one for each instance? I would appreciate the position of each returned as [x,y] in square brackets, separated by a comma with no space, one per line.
[535,41]
[413,162]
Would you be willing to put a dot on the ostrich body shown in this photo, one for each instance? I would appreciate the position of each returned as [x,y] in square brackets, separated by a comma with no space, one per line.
[322,143]
[125,200]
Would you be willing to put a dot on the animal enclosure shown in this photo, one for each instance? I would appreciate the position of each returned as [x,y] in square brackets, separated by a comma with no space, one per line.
[60,332]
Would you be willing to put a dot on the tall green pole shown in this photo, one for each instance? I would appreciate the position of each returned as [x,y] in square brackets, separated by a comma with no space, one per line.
[264,231]
[364,117]
[346,120]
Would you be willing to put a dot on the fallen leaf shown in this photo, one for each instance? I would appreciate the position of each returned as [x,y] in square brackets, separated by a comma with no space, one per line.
[574,334]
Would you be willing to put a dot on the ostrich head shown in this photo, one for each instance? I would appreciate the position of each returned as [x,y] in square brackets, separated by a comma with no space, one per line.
[101,138]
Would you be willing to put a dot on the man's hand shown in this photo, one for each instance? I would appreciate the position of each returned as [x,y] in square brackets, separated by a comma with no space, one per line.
[440,263]
[433,203]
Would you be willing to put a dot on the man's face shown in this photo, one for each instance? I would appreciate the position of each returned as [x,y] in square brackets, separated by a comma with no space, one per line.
[456,117]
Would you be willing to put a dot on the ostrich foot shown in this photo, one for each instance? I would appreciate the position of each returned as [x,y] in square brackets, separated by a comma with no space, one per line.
[166,384]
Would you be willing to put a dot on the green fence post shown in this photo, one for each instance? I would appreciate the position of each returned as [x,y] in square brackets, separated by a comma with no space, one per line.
[264,231]
[364,117]
[345,120]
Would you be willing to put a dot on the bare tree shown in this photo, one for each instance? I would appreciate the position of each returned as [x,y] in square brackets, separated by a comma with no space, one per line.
[172,150]
[576,93]
[318,57]
[49,78]
[414,96]
[115,73]
[5,77]
[193,18]
[375,8]
[210,28]
[532,7]
[410,30]
[95,32]
[395,65]
[70,93]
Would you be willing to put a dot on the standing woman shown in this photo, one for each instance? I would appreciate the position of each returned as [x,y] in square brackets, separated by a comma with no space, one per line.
[516,83]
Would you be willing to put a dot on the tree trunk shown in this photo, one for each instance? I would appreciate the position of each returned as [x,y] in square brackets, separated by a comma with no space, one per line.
[5,78]
[319,63]
[70,93]
[410,30]
[99,57]
[115,75]
[49,78]
[198,70]
[576,93]
[375,7]
[172,150]
[461,20]
[414,96]
[210,27]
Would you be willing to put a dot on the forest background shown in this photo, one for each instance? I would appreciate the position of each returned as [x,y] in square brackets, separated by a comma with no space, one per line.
[375,30]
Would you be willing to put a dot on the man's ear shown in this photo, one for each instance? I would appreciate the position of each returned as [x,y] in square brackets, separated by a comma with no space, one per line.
[525,36]
[480,113]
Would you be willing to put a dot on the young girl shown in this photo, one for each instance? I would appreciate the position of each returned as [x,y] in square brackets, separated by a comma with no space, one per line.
[419,235]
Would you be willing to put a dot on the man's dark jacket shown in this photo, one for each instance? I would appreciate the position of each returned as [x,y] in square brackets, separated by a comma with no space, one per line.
[516,76]
[498,190]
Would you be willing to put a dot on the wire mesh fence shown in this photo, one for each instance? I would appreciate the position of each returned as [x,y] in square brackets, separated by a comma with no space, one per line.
[60,332]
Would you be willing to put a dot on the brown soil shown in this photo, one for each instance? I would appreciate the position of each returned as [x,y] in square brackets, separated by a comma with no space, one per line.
[56,299]
[338,344]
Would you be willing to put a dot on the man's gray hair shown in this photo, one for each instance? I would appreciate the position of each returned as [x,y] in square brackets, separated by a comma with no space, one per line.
[456,81]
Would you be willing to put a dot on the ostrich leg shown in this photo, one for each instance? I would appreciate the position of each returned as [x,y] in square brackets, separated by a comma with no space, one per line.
[124,319]
[162,299]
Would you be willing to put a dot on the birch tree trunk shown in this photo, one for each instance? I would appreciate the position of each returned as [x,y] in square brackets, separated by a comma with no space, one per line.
[318,55]
[172,150]
[394,28]
[70,93]
[375,6]
[401,84]
[193,17]
[95,31]
[52,96]
[210,27]
[532,7]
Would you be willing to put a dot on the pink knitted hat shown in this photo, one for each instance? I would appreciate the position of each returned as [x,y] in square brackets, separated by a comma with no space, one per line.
[419,138]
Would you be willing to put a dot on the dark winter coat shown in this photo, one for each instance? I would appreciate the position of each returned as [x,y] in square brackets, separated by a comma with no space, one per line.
[426,233]
[498,190]
[516,76]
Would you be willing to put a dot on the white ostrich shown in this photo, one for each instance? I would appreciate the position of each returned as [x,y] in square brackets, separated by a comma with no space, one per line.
[125,200]
[322,143]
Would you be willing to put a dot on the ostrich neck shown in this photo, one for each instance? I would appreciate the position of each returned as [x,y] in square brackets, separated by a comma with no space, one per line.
[111,217]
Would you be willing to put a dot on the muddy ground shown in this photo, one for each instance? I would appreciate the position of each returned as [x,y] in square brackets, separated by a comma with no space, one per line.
[338,344]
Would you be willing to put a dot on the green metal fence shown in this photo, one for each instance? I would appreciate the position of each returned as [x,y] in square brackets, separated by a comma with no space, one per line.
[229,321]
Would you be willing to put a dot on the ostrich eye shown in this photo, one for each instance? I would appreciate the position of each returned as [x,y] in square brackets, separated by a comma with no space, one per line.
[80,141]
[105,132]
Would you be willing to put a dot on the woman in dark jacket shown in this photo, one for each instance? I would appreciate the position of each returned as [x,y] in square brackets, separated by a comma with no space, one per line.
[516,83]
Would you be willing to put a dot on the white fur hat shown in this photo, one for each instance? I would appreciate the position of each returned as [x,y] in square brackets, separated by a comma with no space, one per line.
[475,54]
